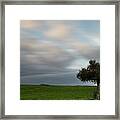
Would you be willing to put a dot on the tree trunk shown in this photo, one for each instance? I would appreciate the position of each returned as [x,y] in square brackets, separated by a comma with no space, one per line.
[98,84]
[98,89]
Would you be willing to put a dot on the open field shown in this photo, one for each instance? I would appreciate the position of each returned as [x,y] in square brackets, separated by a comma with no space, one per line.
[49,92]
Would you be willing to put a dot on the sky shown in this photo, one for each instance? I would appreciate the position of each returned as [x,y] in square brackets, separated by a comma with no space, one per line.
[57,46]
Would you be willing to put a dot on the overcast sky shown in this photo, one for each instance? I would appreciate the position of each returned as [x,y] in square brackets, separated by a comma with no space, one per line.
[58,45]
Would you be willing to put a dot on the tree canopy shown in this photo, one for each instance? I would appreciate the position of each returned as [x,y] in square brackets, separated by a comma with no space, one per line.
[91,73]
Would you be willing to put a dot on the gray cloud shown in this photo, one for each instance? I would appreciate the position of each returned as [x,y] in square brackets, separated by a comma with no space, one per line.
[55,51]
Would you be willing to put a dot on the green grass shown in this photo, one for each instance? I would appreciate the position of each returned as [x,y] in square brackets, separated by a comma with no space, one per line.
[49,92]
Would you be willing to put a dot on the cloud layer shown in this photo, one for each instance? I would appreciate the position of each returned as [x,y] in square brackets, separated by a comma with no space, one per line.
[57,46]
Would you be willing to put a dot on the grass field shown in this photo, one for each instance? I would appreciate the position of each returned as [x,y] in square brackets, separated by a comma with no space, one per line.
[49,92]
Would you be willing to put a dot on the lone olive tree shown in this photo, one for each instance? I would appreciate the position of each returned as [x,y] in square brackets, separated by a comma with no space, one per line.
[91,73]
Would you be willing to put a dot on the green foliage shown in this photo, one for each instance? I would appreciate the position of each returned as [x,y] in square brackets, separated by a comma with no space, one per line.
[49,92]
[91,73]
